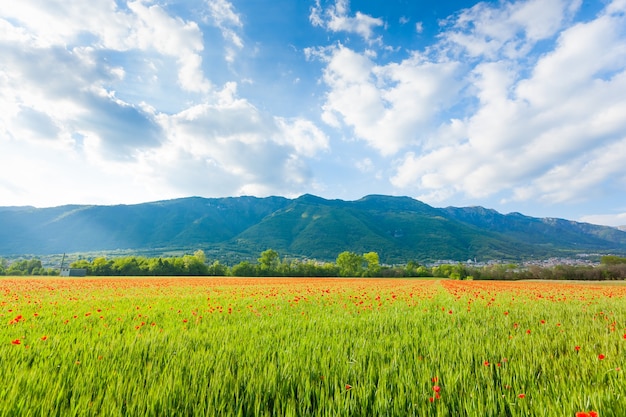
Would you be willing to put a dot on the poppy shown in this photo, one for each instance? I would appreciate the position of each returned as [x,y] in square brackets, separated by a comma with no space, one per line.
[521,395]
[16,342]
[436,388]
[348,387]
[601,356]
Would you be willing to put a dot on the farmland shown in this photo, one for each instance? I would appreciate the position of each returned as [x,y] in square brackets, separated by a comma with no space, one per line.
[327,347]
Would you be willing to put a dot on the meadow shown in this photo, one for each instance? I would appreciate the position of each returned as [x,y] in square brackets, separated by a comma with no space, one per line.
[310,347]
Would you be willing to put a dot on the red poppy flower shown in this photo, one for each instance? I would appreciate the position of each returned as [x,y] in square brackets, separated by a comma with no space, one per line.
[348,387]
[486,363]
[593,413]
[436,388]
[601,356]
[521,395]
[434,379]
[44,337]
[577,348]
[582,414]
[16,342]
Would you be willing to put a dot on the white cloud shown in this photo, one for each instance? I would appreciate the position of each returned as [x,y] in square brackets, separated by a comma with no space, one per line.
[229,147]
[69,24]
[509,30]
[336,19]
[223,15]
[605,219]
[174,37]
[542,125]
[112,99]
[386,105]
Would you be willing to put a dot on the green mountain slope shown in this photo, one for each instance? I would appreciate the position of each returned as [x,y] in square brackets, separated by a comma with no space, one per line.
[398,228]
[558,233]
[178,223]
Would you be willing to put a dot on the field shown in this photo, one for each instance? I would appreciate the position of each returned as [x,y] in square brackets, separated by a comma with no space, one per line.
[319,347]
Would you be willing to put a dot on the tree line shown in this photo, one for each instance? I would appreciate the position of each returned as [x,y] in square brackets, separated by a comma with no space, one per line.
[347,264]
[25,267]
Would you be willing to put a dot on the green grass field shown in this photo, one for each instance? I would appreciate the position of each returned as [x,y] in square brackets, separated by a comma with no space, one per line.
[310,347]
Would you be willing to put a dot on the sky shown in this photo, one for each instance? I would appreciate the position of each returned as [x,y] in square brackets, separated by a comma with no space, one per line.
[519,106]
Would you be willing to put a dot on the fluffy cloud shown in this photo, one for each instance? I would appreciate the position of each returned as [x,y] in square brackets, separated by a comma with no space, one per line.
[68,24]
[223,15]
[336,19]
[507,30]
[229,145]
[514,101]
[386,105]
[119,95]
[607,219]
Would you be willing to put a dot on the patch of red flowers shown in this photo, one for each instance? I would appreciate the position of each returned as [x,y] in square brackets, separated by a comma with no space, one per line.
[587,414]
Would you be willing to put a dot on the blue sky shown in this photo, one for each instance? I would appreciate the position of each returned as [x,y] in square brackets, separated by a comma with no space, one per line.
[512,105]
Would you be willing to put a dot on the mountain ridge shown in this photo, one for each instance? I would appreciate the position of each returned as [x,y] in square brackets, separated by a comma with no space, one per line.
[398,228]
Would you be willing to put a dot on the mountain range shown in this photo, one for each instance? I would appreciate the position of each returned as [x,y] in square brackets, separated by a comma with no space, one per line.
[398,228]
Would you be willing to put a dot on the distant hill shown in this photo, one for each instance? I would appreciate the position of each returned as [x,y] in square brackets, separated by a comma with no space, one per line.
[398,228]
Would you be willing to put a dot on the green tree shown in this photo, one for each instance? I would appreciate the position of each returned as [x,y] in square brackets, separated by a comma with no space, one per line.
[350,264]
[194,265]
[612,260]
[127,266]
[17,268]
[101,267]
[243,269]
[373,264]
[269,261]
[217,269]
[200,256]
[34,267]
[25,267]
